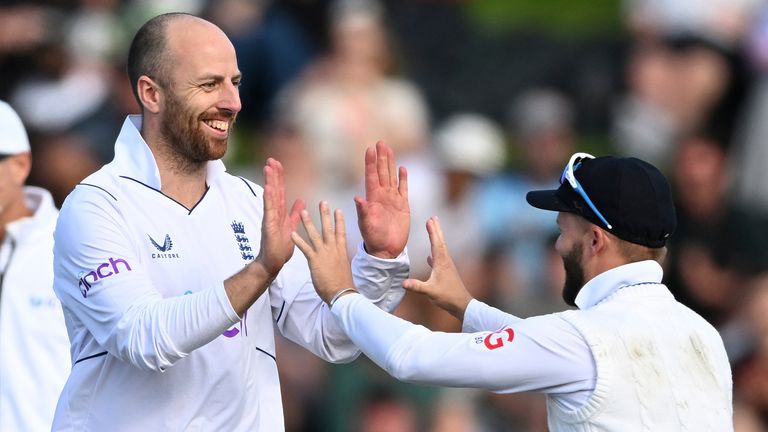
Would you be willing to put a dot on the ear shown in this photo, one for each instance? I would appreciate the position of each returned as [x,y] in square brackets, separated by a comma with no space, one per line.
[599,240]
[150,93]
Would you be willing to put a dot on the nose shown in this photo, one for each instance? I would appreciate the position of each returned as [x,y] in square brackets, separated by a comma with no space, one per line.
[230,98]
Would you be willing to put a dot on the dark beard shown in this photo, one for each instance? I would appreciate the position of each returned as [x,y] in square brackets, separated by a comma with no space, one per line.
[182,130]
[574,276]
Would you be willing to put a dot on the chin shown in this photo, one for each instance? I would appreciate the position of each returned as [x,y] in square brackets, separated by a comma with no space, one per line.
[218,149]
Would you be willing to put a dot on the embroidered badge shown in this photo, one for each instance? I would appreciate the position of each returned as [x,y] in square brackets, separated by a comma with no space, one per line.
[242,241]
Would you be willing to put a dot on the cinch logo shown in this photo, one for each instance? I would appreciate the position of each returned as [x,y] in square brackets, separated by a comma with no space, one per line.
[107,269]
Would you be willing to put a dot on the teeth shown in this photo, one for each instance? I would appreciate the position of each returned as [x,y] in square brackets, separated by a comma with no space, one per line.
[218,124]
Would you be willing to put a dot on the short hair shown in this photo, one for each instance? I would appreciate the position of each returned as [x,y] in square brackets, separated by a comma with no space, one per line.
[634,252]
[147,52]
[631,252]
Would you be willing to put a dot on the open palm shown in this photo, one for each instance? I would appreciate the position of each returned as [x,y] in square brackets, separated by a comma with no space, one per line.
[384,216]
[278,223]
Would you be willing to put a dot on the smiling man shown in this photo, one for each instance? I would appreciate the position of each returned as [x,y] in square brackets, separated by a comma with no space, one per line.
[172,273]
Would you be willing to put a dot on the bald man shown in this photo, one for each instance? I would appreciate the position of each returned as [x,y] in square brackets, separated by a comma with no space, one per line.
[172,272]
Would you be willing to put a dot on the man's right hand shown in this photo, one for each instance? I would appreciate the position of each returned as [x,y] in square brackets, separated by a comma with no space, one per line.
[444,286]
[277,223]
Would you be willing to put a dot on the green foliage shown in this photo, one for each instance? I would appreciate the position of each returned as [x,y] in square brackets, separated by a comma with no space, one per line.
[567,18]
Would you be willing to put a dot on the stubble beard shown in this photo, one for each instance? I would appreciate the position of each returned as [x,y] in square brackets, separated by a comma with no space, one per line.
[574,275]
[182,130]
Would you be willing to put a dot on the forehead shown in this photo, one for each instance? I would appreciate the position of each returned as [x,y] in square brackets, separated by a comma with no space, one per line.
[199,47]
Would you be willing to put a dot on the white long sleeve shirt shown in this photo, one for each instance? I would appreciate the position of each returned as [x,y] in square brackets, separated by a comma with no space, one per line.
[156,344]
[34,347]
[554,355]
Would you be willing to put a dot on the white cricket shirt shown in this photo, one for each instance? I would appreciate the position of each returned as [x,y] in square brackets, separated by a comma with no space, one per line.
[156,344]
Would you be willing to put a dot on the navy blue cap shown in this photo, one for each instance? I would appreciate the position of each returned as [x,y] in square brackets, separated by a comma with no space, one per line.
[632,195]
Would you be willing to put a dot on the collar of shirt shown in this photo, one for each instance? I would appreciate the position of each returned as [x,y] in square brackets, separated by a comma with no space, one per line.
[607,283]
[134,159]
[40,202]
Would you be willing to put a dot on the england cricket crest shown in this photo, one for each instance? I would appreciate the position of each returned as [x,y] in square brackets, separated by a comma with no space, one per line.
[242,241]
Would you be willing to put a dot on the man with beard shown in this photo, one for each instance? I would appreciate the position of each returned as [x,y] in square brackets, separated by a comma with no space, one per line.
[172,272]
[630,358]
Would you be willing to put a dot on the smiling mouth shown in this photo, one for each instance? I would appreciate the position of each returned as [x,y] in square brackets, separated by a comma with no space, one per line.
[219,125]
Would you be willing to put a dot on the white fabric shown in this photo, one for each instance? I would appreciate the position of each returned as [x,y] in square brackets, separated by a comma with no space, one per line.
[545,354]
[660,366]
[13,139]
[156,344]
[34,347]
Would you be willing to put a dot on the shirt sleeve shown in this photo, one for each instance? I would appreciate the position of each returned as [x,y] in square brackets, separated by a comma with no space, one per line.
[302,317]
[380,280]
[542,354]
[305,319]
[482,317]
[103,284]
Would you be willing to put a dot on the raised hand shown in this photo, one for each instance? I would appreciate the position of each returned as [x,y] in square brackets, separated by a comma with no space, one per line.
[384,216]
[326,253]
[444,286]
[278,223]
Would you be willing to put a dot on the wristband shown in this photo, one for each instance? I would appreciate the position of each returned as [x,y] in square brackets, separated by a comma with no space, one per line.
[339,294]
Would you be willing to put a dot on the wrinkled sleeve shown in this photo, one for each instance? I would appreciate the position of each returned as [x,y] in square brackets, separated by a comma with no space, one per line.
[380,280]
[106,292]
[305,319]
[544,354]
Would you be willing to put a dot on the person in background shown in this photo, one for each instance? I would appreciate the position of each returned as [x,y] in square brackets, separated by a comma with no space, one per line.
[34,347]
[541,121]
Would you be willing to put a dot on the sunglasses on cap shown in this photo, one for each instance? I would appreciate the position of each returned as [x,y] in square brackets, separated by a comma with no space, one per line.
[568,175]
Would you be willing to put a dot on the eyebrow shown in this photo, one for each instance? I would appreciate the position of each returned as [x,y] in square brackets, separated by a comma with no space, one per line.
[217,77]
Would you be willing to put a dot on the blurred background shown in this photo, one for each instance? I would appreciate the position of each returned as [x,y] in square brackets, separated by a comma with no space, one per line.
[482,101]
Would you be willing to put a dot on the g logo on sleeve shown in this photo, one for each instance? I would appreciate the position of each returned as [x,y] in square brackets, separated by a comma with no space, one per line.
[498,338]
[104,270]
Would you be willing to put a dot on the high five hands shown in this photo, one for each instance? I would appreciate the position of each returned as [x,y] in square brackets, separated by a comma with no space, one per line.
[384,221]
[384,216]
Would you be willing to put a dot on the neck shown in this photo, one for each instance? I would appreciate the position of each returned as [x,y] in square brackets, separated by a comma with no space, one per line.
[602,265]
[183,185]
[180,179]
[16,210]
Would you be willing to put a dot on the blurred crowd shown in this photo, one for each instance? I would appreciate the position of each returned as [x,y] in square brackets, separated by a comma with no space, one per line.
[480,106]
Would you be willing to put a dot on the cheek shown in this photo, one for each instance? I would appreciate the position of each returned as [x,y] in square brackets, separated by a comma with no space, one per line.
[560,245]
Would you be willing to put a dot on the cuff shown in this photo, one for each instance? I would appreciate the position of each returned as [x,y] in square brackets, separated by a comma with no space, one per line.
[471,323]
[343,302]
[377,278]
[229,311]
[401,259]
